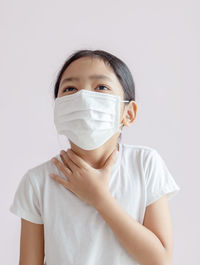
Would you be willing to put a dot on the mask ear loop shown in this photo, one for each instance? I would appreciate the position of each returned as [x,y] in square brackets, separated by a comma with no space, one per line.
[120,130]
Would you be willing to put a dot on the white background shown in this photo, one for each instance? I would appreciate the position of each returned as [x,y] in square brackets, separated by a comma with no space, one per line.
[158,40]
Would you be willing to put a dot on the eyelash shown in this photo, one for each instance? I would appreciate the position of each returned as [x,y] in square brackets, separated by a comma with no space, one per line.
[74,87]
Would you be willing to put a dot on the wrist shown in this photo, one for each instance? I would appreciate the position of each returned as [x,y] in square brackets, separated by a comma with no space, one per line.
[102,200]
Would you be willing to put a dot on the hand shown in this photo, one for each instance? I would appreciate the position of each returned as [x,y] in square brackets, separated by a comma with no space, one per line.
[88,183]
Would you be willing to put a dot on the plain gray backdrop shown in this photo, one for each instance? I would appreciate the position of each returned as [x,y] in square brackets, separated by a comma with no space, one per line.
[158,40]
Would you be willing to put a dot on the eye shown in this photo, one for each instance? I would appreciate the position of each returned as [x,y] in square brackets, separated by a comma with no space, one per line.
[103,86]
[68,88]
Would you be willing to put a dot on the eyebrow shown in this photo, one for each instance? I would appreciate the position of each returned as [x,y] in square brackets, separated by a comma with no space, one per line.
[90,77]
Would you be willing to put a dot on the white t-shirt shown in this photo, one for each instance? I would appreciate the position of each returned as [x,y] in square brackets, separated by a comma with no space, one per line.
[75,232]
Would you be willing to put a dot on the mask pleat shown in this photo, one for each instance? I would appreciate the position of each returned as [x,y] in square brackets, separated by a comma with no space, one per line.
[87,118]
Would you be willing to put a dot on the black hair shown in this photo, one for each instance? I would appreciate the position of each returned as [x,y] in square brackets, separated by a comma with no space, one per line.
[119,67]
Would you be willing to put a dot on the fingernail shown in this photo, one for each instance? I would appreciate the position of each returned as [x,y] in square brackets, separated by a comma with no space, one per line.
[62,152]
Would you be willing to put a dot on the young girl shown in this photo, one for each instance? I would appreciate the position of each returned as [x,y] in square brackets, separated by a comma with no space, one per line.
[100,201]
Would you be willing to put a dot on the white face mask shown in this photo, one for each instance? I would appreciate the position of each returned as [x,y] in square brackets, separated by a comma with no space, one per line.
[88,118]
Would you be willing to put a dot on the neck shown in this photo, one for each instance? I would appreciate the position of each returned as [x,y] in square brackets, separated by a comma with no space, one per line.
[96,158]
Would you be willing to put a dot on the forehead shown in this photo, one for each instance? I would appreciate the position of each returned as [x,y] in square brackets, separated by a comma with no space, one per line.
[87,66]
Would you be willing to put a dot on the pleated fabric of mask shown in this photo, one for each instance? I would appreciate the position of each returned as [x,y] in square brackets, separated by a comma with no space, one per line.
[88,118]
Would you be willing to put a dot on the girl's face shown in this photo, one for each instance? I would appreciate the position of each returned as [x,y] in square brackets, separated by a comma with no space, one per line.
[91,74]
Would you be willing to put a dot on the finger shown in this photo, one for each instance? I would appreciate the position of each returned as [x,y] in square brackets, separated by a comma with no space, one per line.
[65,163]
[77,159]
[73,167]
[64,182]
[66,171]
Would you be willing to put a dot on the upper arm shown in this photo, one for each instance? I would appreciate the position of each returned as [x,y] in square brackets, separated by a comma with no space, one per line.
[158,220]
[31,243]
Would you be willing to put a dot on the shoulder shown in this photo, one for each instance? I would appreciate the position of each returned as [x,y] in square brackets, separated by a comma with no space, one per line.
[138,151]
[138,157]
[38,173]
[138,147]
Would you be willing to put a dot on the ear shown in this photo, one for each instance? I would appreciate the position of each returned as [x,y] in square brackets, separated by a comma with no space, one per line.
[130,113]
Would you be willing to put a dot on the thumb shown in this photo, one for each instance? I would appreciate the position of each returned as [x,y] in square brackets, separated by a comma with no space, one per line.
[111,160]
